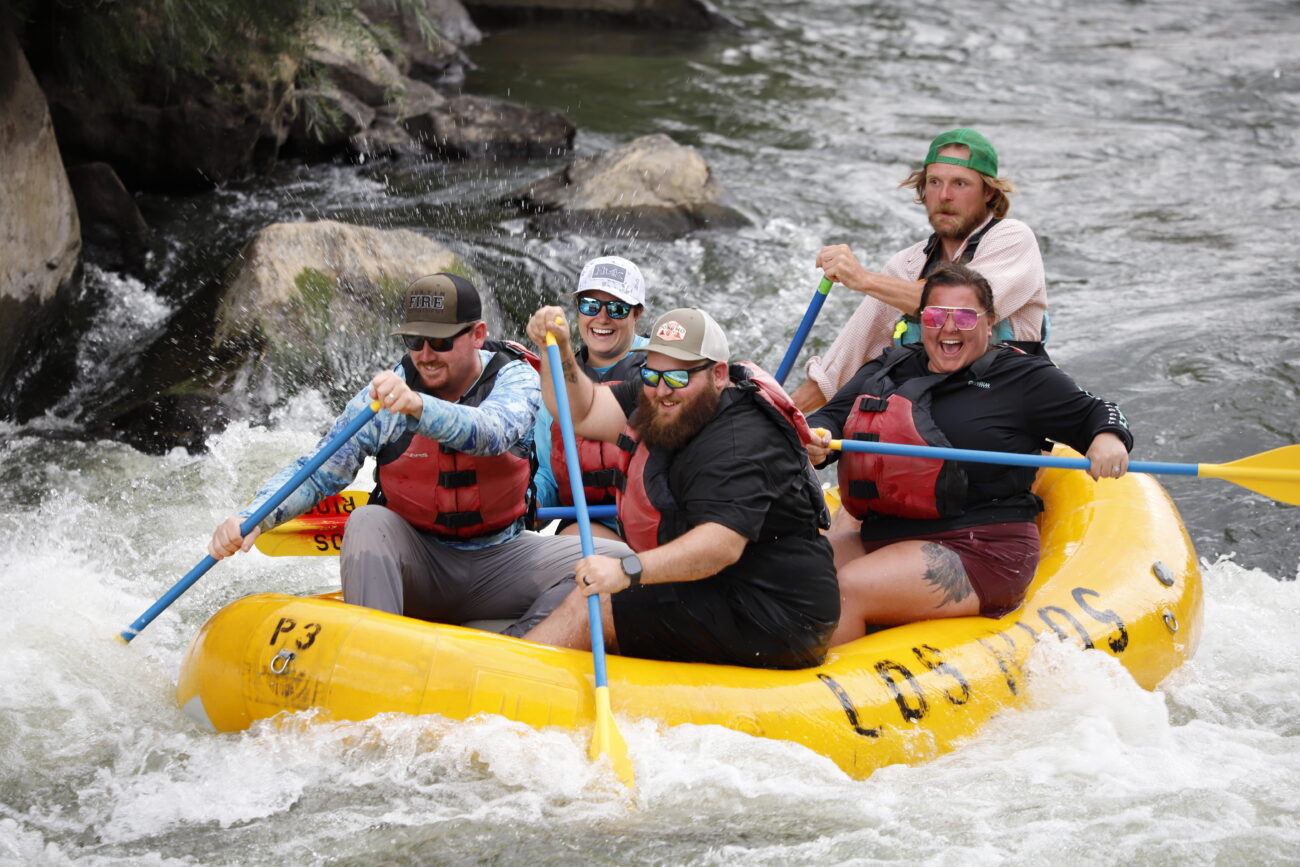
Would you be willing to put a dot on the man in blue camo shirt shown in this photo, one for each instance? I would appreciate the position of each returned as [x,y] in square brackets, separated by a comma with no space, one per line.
[444,537]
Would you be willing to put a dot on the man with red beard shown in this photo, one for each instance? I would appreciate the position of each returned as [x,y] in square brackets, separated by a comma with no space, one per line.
[967,205]
[718,502]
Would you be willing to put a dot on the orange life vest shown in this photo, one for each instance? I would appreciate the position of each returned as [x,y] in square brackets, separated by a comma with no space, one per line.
[451,493]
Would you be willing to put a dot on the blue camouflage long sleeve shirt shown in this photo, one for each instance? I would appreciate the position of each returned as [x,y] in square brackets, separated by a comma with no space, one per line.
[504,418]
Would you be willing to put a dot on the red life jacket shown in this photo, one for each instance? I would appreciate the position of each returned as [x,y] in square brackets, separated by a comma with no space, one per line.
[885,411]
[648,513]
[601,462]
[451,493]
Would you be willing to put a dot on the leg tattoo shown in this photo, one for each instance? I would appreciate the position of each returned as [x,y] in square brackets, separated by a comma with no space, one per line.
[944,571]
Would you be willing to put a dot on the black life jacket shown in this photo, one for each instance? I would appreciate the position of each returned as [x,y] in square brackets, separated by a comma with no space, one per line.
[648,513]
[451,493]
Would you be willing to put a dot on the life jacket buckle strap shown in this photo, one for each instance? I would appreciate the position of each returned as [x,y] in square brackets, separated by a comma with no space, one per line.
[873,404]
[861,489]
[457,520]
[457,478]
[606,478]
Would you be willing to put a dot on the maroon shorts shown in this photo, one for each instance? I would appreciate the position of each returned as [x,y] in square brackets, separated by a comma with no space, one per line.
[999,560]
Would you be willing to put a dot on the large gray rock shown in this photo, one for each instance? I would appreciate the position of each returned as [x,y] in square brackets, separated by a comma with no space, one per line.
[305,305]
[325,120]
[403,125]
[417,109]
[355,64]
[311,298]
[432,56]
[652,186]
[479,127]
[686,14]
[40,235]
[111,223]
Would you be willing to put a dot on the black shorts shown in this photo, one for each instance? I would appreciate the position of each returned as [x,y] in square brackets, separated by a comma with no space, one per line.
[709,621]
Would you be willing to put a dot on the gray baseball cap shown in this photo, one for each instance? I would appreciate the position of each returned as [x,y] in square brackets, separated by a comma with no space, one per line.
[688,334]
[439,305]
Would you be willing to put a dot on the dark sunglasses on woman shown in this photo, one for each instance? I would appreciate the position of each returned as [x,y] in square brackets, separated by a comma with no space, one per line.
[589,306]
[438,344]
[675,378]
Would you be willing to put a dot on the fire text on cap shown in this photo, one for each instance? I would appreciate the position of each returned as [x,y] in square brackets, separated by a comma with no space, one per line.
[426,302]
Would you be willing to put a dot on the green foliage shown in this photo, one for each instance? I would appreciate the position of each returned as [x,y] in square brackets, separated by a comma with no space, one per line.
[315,295]
[108,41]
[100,43]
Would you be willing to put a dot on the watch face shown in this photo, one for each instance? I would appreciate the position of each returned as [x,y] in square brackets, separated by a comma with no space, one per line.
[632,567]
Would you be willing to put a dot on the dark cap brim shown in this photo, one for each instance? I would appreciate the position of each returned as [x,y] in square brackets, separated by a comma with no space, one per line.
[431,329]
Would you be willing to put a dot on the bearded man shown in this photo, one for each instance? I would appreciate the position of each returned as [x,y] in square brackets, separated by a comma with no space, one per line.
[718,502]
[967,204]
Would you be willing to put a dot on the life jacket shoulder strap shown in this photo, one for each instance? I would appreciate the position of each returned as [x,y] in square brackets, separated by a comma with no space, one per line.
[772,400]
[515,349]
[620,372]
[933,249]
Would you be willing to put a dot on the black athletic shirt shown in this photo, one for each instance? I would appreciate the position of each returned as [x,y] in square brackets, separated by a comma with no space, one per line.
[1022,400]
[739,471]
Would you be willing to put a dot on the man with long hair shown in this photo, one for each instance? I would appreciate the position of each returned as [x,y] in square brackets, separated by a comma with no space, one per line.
[967,204]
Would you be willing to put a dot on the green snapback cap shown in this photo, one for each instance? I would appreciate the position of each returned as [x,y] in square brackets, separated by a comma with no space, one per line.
[983,158]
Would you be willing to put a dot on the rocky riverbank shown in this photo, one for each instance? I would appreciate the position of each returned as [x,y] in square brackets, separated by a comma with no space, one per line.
[379,85]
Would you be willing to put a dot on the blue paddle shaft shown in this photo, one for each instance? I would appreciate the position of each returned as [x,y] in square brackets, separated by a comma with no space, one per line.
[579,504]
[1014,459]
[568,513]
[253,520]
[801,333]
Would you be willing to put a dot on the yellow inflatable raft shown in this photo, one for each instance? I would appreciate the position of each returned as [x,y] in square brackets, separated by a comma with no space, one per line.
[1118,574]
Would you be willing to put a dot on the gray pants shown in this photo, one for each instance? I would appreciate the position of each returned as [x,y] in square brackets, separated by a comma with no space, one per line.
[391,566]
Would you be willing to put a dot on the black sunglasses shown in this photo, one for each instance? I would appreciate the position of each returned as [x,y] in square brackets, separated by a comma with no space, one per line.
[675,378]
[589,306]
[415,342]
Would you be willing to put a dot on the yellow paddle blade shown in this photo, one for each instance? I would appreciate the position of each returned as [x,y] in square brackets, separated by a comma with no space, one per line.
[832,497]
[607,740]
[1274,473]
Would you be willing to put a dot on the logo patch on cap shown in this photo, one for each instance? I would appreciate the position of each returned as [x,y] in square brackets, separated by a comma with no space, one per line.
[610,272]
[427,302]
[671,330]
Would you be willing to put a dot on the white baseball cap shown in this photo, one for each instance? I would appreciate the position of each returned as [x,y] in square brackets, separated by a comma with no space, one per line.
[615,275]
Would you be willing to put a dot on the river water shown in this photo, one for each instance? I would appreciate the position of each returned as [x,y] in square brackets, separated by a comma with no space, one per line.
[1156,151]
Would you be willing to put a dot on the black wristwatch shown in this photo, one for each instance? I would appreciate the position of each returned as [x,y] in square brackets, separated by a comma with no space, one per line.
[632,569]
